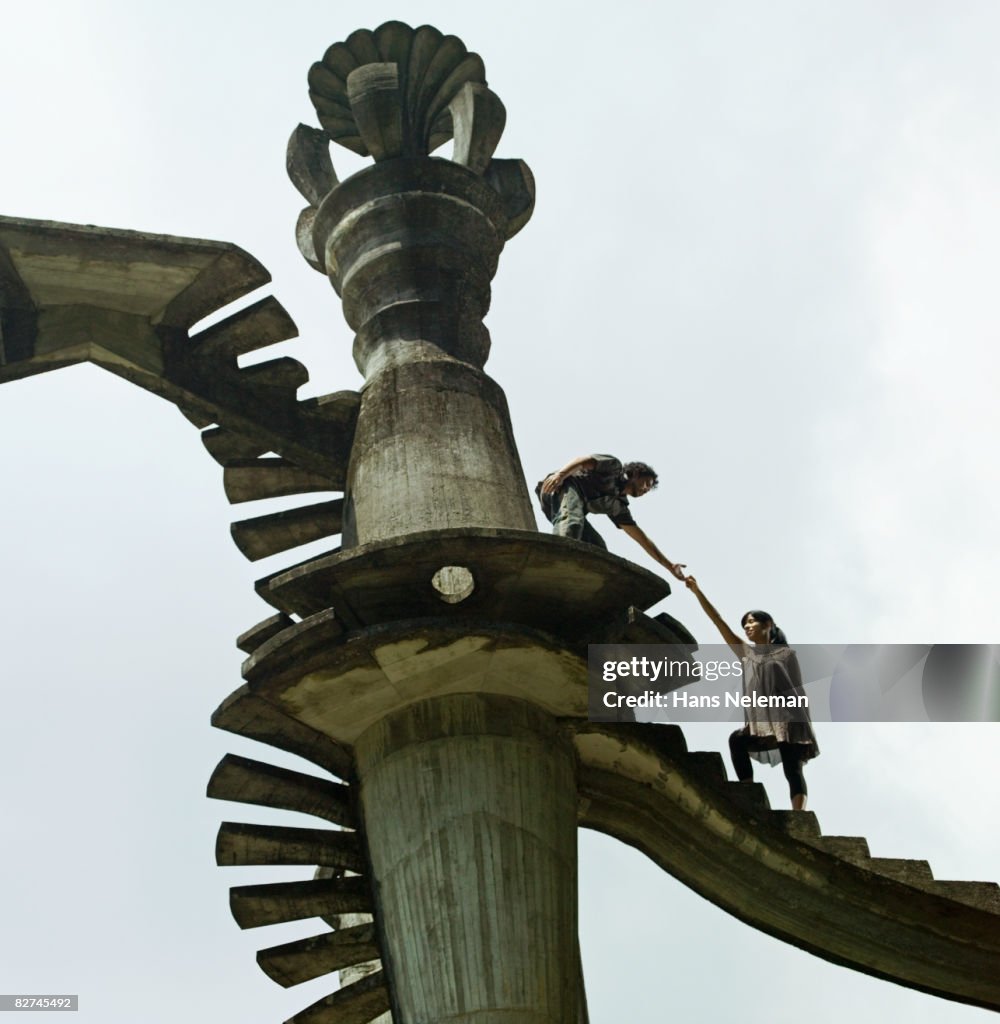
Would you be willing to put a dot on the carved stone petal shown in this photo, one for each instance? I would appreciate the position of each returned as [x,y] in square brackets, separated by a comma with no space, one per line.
[426,43]
[328,84]
[339,60]
[478,118]
[309,165]
[450,53]
[469,69]
[394,39]
[440,131]
[373,90]
[331,108]
[304,237]
[515,183]
[363,47]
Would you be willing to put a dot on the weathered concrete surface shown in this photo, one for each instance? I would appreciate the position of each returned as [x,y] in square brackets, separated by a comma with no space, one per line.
[272,477]
[110,295]
[244,780]
[469,809]
[254,906]
[399,92]
[249,640]
[291,963]
[550,583]
[267,535]
[126,301]
[361,1002]
[434,450]
[238,844]
[246,714]
[773,869]
[356,973]
[343,689]
[388,92]
[776,872]
[411,246]
[160,278]
[386,637]
[343,901]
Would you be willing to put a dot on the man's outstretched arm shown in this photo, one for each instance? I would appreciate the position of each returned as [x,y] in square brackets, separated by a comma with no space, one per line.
[639,536]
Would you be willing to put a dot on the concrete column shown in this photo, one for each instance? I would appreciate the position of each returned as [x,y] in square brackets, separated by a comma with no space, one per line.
[411,246]
[469,805]
[434,450]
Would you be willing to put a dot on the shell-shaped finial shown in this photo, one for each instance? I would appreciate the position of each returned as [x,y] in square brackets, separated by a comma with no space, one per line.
[403,92]
[392,92]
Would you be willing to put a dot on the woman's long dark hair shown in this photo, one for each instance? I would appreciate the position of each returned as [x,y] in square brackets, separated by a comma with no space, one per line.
[777,635]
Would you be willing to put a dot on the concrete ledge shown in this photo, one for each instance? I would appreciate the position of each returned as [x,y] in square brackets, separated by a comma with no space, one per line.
[126,301]
[341,688]
[245,714]
[556,585]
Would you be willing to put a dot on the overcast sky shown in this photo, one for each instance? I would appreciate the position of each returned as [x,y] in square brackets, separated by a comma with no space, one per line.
[763,258]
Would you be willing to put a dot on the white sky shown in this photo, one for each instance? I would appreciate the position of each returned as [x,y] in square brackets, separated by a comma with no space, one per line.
[763,259]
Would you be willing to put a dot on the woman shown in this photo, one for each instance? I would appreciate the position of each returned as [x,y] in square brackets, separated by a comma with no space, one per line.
[770,670]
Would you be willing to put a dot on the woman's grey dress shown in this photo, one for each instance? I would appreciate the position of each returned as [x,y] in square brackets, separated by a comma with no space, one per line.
[772,670]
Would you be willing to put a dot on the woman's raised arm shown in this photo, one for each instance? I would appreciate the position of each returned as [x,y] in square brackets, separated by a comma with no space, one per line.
[738,646]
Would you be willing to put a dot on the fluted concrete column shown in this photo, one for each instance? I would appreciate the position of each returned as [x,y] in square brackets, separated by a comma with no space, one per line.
[469,805]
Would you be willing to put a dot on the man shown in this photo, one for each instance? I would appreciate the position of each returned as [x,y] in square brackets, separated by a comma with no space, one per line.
[602,485]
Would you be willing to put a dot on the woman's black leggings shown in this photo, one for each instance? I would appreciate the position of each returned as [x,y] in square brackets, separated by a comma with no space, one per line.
[791,762]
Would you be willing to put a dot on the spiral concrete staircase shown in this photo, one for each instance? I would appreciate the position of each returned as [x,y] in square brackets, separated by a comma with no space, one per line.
[774,870]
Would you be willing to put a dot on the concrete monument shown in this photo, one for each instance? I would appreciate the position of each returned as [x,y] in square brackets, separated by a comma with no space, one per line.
[435,663]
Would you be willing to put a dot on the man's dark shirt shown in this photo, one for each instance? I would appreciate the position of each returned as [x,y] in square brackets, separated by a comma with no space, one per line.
[601,490]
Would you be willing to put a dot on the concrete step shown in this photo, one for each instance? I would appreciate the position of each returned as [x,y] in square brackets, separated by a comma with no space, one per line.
[357,1003]
[640,628]
[239,844]
[801,825]
[707,765]
[267,535]
[196,416]
[225,445]
[339,407]
[289,649]
[886,916]
[246,714]
[254,327]
[910,872]
[671,738]
[294,962]
[256,905]
[255,636]
[271,477]
[667,740]
[981,895]
[853,849]
[244,780]
[285,375]
[750,795]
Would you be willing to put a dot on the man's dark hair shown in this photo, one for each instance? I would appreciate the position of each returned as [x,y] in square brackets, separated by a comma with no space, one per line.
[634,469]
